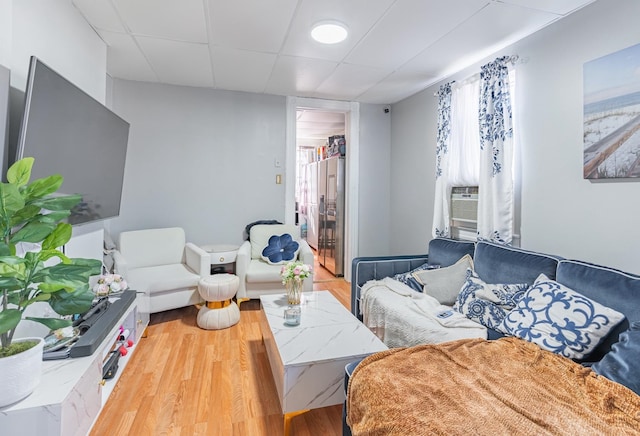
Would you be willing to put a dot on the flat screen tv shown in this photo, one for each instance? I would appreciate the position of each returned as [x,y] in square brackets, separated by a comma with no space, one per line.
[70,133]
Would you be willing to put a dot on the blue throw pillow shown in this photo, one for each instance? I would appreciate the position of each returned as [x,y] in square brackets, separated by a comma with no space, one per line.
[280,249]
[486,303]
[622,363]
[408,279]
[560,319]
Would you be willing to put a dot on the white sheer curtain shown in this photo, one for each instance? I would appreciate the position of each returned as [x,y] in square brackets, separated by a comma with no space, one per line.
[458,149]
[465,134]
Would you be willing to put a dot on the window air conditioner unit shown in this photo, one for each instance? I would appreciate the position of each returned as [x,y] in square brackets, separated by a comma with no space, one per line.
[464,212]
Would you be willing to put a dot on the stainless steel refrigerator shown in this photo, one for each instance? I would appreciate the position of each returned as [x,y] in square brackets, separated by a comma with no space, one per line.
[331,214]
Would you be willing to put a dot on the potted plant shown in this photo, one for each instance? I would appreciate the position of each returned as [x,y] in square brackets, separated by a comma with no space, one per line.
[31,213]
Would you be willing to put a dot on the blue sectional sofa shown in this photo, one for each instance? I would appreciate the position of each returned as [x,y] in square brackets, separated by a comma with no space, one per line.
[495,263]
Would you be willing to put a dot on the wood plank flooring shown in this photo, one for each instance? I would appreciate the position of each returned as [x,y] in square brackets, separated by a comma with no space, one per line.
[183,380]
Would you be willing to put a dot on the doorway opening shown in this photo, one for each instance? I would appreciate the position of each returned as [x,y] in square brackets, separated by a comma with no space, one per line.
[321,150]
[347,113]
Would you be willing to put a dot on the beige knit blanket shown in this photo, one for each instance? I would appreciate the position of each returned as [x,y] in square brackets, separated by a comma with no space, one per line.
[479,387]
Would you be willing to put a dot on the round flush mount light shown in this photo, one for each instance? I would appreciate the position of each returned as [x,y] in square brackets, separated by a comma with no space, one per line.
[329,32]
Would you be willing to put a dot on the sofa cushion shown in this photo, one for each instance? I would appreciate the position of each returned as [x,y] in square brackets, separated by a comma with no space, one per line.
[622,363]
[487,303]
[560,319]
[162,278]
[259,236]
[498,263]
[610,287]
[408,279]
[444,283]
[260,271]
[280,249]
[445,252]
[150,247]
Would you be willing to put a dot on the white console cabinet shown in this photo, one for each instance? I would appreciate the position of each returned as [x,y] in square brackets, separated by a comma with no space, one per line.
[72,392]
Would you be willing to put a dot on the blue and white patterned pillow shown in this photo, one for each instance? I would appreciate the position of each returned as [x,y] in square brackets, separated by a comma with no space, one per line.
[487,303]
[280,249]
[408,279]
[560,319]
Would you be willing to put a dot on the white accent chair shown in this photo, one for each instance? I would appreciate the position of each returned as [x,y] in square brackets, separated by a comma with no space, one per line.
[258,277]
[162,265]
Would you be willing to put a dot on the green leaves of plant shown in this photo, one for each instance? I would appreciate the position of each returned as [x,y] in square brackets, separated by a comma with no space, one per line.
[58,237]
[69,303]
[20,172]
[52,323]
[32,212]
[9,319]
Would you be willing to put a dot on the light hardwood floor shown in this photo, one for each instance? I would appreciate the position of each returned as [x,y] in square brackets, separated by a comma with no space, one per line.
[183,380]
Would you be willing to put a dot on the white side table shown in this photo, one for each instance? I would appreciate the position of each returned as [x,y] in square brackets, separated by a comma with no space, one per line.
[223,257]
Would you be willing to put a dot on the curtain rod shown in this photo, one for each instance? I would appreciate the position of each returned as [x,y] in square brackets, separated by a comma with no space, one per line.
[513,60]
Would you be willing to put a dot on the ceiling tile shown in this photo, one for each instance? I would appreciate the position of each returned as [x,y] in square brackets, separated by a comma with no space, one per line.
[396,87]
[241,70]
[124,58]
[348,81]
[182,20]
[475,40]
[256,25]
[407,28]
[357,15]
[395,47]
[298,76]
[179,63]
[100,14]
[560,7]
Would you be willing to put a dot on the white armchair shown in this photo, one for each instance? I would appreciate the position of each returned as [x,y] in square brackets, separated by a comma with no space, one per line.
[258,277]
[162,265]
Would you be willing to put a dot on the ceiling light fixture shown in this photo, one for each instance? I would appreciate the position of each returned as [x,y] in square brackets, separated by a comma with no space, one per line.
[329,32]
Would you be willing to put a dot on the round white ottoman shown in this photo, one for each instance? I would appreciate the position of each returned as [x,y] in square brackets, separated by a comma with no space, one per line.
[220,311]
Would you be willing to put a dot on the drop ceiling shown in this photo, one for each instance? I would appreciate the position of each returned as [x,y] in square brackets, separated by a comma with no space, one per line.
[395,47]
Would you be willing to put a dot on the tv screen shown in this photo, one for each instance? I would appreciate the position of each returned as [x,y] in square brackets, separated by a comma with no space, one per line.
[70,133]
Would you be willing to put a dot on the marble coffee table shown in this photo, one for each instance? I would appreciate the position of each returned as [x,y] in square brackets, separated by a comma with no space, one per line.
[308,360]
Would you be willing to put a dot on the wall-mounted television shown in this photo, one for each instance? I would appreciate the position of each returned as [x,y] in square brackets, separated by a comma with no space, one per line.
[70,133]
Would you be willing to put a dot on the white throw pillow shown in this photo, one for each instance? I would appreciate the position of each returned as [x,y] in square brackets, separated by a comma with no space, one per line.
[444,283]
[560,319]
[487,303]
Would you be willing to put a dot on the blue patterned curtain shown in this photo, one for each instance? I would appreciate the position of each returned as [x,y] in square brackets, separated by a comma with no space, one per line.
[495,197]
[443,190]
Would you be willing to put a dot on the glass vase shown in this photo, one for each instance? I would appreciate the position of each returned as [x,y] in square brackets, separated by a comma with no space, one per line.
[294,288]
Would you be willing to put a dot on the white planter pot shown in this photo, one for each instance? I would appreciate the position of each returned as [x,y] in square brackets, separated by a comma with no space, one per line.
[20,374]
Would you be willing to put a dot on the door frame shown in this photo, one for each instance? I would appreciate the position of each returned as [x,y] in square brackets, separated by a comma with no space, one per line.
[352,134]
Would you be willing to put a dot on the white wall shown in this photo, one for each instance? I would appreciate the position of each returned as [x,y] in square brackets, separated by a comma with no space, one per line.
[55,31]
[413,125]
[561,212]
[374,181]
[201,159]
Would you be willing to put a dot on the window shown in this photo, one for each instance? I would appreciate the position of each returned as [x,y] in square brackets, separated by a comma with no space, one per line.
[474,174]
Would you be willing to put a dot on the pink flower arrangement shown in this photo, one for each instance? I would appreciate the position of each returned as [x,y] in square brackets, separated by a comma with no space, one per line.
[295,270]
[110,284]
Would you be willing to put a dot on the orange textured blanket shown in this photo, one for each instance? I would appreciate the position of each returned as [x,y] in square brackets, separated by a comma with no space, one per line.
[479,387]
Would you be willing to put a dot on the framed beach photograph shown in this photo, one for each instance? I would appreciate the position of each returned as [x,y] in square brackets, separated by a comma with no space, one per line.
[612,115]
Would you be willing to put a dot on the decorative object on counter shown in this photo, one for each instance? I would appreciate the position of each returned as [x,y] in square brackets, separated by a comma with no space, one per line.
[109,284]
[292,315]
[30,213]
[293,275]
